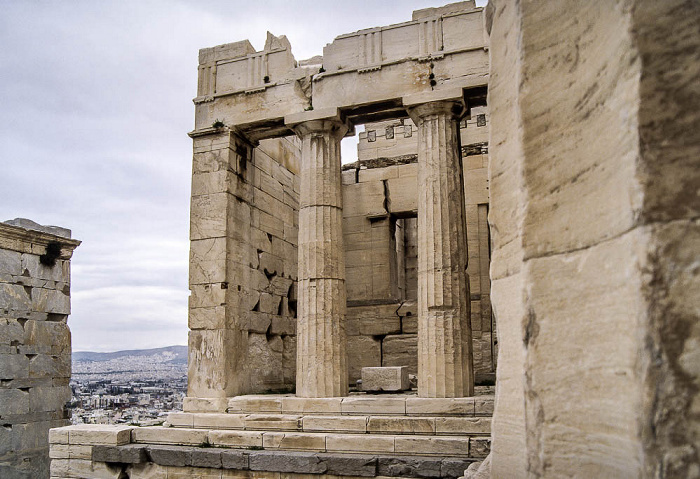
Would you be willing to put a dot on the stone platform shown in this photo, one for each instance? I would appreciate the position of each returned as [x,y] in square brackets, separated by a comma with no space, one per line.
[273,435]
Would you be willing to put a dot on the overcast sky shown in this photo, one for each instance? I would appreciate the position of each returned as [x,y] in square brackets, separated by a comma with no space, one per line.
[96,106]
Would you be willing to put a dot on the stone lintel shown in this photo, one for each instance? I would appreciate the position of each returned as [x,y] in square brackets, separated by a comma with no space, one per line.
[21,237]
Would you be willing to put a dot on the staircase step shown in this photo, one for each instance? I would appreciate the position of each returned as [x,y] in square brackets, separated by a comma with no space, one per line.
[406,444]
[353,424]
[361,405]
[247,463]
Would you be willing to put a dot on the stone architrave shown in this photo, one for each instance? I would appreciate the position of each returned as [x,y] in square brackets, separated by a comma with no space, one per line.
[321,355]
[445,366]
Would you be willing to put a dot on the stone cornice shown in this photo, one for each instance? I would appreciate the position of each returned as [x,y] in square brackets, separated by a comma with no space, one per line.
[25,240]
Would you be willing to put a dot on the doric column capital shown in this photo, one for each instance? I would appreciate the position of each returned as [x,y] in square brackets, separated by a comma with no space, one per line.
[324,121]
[451,108]
[443,102]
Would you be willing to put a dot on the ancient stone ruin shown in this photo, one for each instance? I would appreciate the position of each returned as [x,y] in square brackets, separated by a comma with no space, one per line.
[540,158]
[35,348]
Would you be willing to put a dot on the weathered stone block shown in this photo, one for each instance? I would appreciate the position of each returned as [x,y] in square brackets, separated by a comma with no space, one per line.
[479,446]
[48,337]
[409,467]
[206,458]
[310,405]
[287,461]
[10,264]
[65,451]
[401,425]
[58,435]
[14,297]
[283,325]
[234,460]
[208,216]
[265,362]
[91,434]
[169,455]
[356,443]
[350,465]
[403,194]
[204,405]
[236,438]
[334,424]
[463,425]
[126,454]
[50,301]
[82,468]
[218,421]
[253,404]
[207,295]
[272,422]
[373,405]
[364,199]
[45,366]
[169,435]
[439,406]
[207,318]
[385,379]
[363,351]
[457,446]
[14,366]
[11,331]
[290,440]
[401,350]
[373,320]
[59,272]
[453,468]
[208,261]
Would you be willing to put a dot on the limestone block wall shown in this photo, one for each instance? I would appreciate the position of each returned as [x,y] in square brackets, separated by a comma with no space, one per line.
[35,343]
[594,177]
[243,266]
[380,228]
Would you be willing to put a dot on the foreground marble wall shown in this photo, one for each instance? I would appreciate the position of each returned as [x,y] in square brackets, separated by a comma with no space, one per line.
[35,347]
[594,214]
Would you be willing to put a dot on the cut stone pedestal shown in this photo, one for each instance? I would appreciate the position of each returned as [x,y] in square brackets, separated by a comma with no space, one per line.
[385,379]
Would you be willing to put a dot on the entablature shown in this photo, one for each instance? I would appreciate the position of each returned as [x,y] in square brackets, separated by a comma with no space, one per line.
[365,74]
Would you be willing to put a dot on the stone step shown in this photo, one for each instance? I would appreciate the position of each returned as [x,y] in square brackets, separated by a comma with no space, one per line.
[309,464]
[353,424]
[360,405]
[457,446]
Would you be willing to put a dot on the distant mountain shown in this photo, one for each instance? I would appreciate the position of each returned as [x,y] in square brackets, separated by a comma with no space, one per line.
[170,354]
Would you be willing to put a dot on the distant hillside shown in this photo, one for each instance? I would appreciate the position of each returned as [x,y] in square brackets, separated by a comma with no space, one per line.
[172,354]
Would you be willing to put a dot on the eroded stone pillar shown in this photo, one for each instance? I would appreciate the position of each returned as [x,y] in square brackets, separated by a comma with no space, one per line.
[219,236]
[321,356]
[444,333]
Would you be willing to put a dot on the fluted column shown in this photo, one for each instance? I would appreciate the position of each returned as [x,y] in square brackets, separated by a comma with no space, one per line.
[444,332]
[321,356]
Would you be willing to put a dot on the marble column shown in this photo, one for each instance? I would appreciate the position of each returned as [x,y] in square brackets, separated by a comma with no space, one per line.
[444,332]
[321,356]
